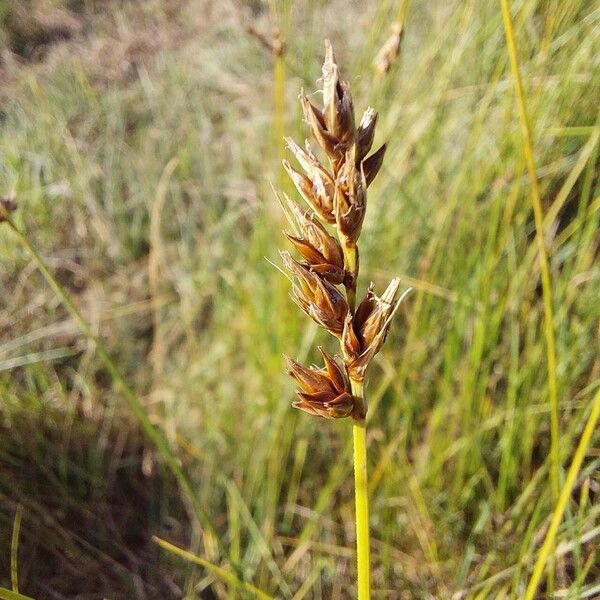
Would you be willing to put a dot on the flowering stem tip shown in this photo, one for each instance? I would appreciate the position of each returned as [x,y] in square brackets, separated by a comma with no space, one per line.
[333,182]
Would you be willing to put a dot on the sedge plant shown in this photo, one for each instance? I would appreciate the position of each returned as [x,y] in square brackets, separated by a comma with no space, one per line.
[324,280]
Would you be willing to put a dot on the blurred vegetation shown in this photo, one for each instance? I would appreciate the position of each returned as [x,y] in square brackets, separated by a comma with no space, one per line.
[138,138]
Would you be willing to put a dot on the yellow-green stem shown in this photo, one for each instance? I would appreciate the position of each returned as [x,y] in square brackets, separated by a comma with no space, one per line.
[542,255]
[401,14]
[363,560]
[14,550]
[544,268]
[563,499]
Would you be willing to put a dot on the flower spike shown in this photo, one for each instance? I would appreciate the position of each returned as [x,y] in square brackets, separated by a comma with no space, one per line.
[323,392]
[335,189]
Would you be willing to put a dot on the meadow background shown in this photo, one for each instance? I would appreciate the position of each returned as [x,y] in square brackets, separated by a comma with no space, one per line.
[140,139]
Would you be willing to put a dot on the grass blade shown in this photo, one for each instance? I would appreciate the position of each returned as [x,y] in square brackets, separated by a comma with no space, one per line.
[542,255]
[9,595]
[221,573]
[563,499]
[14,550]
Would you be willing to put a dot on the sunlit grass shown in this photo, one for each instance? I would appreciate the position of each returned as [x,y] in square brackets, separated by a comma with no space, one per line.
[459,436]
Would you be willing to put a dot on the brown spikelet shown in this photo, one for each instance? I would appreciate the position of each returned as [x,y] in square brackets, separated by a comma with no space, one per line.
[317,173]
[275,45]
[322,251]
[365,332]
[351,346]
[316,185]
[390,50]
[323,392]
[365,133]
[318,298]
[328,142]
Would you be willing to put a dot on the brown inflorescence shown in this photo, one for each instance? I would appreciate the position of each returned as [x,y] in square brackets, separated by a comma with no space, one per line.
[337,197]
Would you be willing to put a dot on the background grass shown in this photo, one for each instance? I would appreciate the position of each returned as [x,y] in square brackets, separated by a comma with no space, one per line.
[139,140]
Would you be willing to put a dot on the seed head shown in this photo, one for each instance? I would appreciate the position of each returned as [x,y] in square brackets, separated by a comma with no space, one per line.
[317,185]
[318,298]
[390,50]
[335,188]
[365,332]
[323,392]
[322,251]
[338,197]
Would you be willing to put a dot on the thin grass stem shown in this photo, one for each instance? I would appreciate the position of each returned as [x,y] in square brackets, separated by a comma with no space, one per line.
[543,260]
[542,255]
[279,108]
[361,493]
[14,550]
[279,101]
[359,438]
[563,499]
[220,572]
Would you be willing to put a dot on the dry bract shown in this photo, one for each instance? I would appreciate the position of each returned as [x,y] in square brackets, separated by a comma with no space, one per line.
[390,50]
[322,251]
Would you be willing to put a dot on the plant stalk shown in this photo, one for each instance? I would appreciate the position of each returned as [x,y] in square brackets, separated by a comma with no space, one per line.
[542,253]
[551,360]
[363,558]
[359,436]
[351,266]
[547,548]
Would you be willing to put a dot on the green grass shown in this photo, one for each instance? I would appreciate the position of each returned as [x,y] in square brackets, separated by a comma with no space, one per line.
[166,260]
